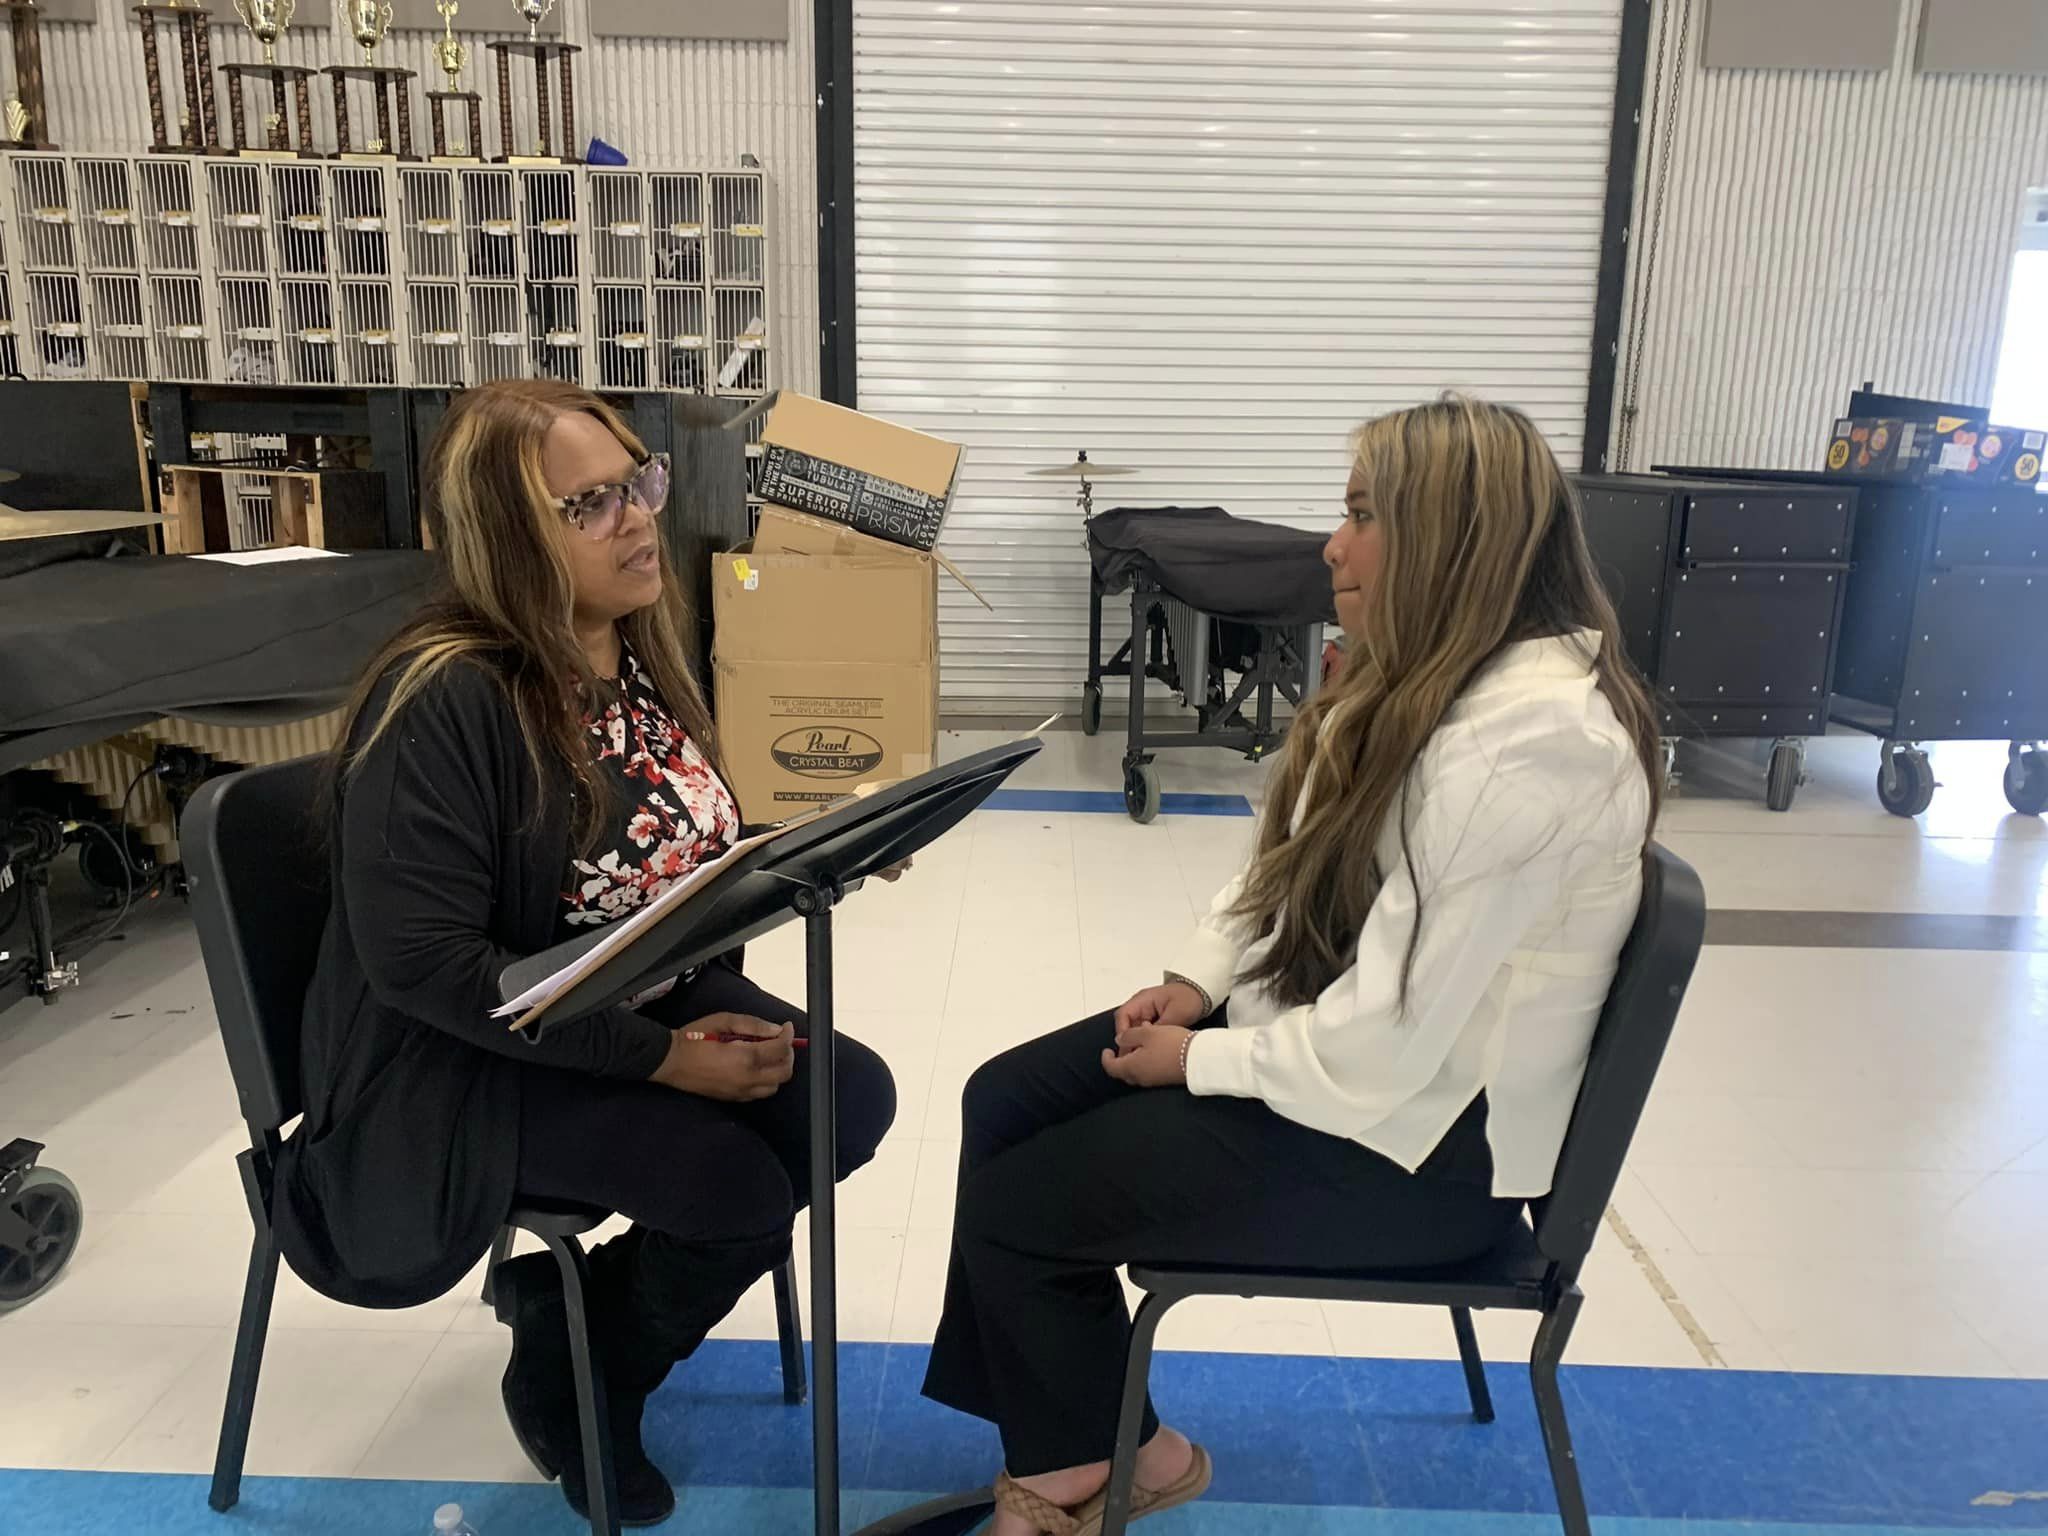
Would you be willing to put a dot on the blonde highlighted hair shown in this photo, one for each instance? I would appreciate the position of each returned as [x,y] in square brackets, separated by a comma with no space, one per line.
[509,600]
[1481,546]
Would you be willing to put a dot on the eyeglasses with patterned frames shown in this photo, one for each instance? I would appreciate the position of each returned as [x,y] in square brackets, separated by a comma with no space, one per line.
[595,513]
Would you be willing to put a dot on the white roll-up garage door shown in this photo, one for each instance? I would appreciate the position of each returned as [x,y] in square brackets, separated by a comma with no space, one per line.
[1205,239]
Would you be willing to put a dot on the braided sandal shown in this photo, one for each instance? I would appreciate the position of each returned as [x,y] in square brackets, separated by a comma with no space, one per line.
[1085,1519]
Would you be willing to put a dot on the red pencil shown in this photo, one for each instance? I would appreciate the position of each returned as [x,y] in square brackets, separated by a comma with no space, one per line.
[732,1039]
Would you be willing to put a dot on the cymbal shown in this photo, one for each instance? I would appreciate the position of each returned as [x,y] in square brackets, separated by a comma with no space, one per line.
[18,523]
[1083,469]
[8,476]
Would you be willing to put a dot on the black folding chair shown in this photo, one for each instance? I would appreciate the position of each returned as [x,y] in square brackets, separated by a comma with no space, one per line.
[260,897]
[1537,1269]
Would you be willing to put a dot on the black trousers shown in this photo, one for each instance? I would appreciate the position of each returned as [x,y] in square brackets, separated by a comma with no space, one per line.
[1066,1173]
[712,1188]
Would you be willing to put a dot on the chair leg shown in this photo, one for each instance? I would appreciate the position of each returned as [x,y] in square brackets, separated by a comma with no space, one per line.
[1475,1368]
[257,1290]
[1551,1337]
[501,1250]
[591,1409]
[1123,1461]
[789,1328]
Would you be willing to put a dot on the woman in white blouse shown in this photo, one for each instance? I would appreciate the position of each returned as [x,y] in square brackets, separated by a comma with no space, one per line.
[1413,961]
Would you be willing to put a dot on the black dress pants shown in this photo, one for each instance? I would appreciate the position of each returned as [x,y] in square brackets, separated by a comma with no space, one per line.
[1066,1173]
[712,1188]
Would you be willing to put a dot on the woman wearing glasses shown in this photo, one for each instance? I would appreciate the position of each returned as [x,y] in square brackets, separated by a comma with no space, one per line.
[528,759]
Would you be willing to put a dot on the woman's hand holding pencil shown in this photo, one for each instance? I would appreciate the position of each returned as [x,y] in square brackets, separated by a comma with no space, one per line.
[731,1057]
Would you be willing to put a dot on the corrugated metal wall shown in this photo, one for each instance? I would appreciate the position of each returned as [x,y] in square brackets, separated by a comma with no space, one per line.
[1206,240]
[662,102]
[1818,229]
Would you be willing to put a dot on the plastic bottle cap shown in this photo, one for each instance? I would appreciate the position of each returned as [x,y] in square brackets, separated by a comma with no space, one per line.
[447,1517]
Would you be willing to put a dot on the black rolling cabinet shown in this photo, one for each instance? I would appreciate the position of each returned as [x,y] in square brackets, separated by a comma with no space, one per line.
[1941,632]
[1730,597]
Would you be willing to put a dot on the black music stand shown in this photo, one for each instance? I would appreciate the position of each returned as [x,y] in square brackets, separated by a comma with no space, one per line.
[805,873]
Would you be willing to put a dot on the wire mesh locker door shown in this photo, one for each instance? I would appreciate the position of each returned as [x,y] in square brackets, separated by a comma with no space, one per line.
[556,329]
[360,198]
[682,338]
[739,229]
[107,217]
[676,227]
[120,330]
[370,355]
[434,322]
[433,231]
[490,224]
[238,209]
[249,333]
[619,229]
[181,352]
[298,218]
[740,340]
[497,332]
[45,216]
[170,215]
[622,337]
[56,312]
[310,336]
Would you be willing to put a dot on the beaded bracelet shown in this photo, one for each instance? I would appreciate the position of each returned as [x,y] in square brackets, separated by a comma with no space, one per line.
[1185,1043]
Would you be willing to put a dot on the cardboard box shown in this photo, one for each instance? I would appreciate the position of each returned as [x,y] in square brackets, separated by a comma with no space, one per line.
[1864,445]
[826,672]
[873,476]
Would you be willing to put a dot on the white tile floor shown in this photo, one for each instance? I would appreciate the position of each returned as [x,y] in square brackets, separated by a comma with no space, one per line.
[1845,1167]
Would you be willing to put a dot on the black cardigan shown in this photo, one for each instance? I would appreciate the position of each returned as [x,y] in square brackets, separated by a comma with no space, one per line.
[447,865]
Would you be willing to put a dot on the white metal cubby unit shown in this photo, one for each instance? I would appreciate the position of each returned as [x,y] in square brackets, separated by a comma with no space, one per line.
[50,284]
[739,281]
[431,255]
[184,344]
[374,274]
[363,202]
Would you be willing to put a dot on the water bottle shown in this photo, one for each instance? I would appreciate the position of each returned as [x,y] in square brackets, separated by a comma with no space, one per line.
[448,1521]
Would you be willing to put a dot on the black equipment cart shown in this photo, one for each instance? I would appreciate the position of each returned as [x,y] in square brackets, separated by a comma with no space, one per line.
[1211,595]
[1731,601]
[1946,607]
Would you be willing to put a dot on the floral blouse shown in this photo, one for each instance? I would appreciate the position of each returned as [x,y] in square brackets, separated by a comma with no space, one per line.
[672,812]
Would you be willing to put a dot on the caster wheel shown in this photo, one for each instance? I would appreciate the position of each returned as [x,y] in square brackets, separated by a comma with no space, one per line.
[1091,708]
[49,1203]
[1786,773]
[2026,783]
[1905,783]
[1141,793]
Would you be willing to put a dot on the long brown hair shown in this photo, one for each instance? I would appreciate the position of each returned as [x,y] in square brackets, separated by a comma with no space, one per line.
[509,600]
[1481,546]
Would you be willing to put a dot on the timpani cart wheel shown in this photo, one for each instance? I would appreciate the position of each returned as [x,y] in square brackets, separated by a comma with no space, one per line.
[1141,793]
[49,1203]
[2026,781]
[1788,772]
[1905,780]
[1091,708]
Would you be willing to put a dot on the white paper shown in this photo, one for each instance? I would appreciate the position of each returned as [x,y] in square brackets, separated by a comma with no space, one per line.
[619,934]
[272,556]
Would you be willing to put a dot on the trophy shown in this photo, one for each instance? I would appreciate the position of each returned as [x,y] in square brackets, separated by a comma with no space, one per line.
[540,51]
[453,58]
[535,12]
[368,21]
[198,117]
[267,21]
[28,115]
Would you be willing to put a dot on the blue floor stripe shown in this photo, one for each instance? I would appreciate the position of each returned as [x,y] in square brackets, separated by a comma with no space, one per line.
[1301,1445]
[1104,802]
